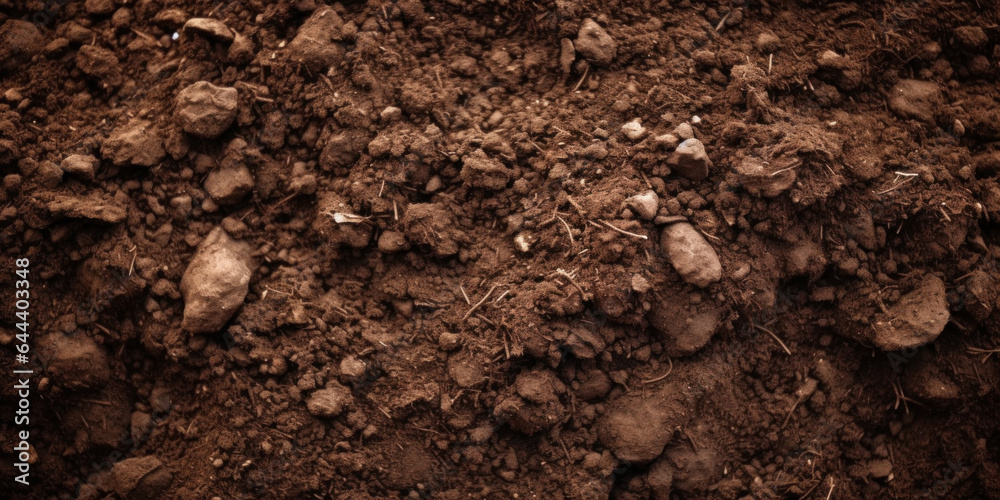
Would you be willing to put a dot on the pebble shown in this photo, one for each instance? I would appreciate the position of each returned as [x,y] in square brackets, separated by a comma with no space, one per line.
[917,319]
[80,166]
[448,341]
[645,205]
[215,282]
[48,174]
[391,242]
[352,368]
[205,110]
[684,131]
[331,401]
[141,477]
[692,257]
[228,185]
[135,143]
[318,43]
[690,160]
[767,42]
[210,28]
[595,44]
[75,362]
[666,142]
[829,59]
[634,130]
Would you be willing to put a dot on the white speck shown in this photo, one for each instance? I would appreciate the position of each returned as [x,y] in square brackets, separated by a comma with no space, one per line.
[175,36]
[695,119]
[281,45]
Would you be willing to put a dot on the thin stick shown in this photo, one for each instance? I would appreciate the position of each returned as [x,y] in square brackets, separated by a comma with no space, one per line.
[634,235]
[775,337]
[462,288]
[585,295]
[479,303]
[582,78]
[661,377]
[502,295]
[832,484]
[568,230]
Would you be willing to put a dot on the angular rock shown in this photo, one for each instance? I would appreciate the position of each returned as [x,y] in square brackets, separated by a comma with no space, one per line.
[692,257]
[205,110]
[595,44]
[228,185]
[690,160]
[92,206]
[645,205]
[318,43]
[19,40]
[80,165]
[917,319]
[99,63]
[215,282]
[210,28]
[135,143]
[331,401]
[915,99]
[481,171]
[75,362]
[48,174]
[141,478]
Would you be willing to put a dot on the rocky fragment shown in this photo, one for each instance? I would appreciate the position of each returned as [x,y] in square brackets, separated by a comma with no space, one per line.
[636,427]
[99,63]
[92,206]
[690,160]
[213,29]
[971,36]
[685,330]
[330,401]
[481,171]
[141,478]
[693,471]
[215,282]
[205,110]
[595,44]
[75,362]
[645,205]
[915,99]
[80,165]
[917,319]
[135,143]
[692,257]
[318,44]
[228,185]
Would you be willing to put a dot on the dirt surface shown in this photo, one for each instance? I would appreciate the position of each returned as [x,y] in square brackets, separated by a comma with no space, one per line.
[504,249]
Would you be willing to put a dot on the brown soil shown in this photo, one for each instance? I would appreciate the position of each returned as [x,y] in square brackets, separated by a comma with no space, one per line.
[440,272]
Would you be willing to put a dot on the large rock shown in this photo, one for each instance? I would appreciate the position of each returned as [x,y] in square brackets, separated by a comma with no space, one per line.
[690,160]
[915,99]
[135,143]
[918,318]
[318,44]
[19,40]
[693,258]
[595,44]
[205,110]
[215,283]
[141,478]
[636,428]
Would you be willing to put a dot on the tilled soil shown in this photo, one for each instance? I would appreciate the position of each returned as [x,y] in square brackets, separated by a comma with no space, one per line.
[504,249]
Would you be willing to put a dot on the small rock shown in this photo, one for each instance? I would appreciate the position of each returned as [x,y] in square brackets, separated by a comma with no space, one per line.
[99,7]
[99,63]
[228,185]
[522,242]
[829,59]
[918,318]
[330,402]
[19,40]
[880,468]
[693,258]
[215,282]
[93,206]
[390,114]
[75,362]
[48,174]
[449,341]
[241,50]
[80,166]
[595,44]
[634,130]
[134,144]
[915,99]
[352,368]
[210,28]
[685,131]
[481,171]
[205,110]
[318,43]
[391,242]
[666,142]
[644,205]
[767,42]
[971,36]
[690,160]
[141,478]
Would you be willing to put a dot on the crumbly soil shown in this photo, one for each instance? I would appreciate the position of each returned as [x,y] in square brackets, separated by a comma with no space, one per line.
[452,292]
